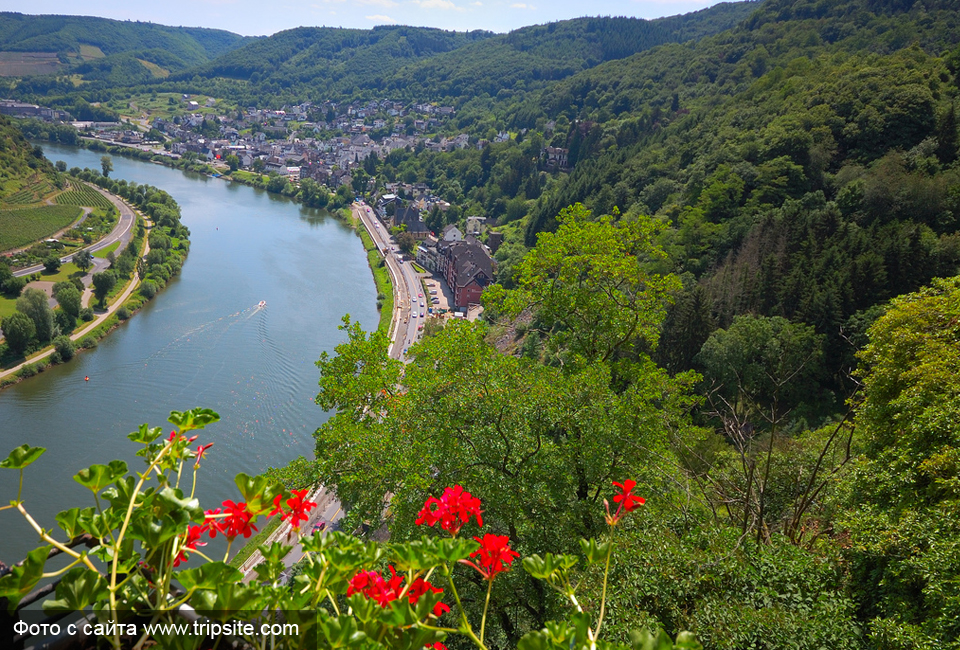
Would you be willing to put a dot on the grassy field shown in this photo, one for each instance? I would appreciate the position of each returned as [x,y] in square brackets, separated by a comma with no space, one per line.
[21,227]
[103,252]
[63,274]
[83,196]
[7,306]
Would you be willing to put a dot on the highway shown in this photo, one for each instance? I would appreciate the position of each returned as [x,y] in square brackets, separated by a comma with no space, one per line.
[409,287]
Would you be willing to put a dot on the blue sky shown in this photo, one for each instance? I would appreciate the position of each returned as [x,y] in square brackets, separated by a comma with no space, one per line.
[262,17]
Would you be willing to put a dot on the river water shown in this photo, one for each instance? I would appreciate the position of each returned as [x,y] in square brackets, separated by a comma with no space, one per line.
[200,342]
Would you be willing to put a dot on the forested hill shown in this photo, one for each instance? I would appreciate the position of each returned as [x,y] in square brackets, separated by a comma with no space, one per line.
[805,160]
[429,64]
[93,46]
[526,58]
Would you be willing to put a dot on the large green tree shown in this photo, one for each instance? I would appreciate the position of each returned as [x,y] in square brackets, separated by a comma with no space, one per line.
[903,511]
[18,330]
[35,304]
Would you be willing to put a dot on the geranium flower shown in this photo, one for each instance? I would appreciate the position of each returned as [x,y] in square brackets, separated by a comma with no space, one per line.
[194,535]
[419,588]
[238,520]
[627,500]
[372,585]
[214,524]
[494,555]
[201,450]
[452,510]
[298,507]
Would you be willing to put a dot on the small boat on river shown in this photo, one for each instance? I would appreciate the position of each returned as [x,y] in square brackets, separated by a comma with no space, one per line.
[263,303]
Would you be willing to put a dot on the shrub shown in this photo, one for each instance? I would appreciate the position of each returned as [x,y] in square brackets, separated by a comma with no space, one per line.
[148,289]
[64,347]
[123,313]
[27,371]
[86,314]
[88,342]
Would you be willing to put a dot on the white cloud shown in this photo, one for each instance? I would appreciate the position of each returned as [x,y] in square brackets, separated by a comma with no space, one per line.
[380,18]
[437,4]
[521,5]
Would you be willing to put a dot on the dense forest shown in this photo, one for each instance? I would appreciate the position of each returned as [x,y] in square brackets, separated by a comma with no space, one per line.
[742,292]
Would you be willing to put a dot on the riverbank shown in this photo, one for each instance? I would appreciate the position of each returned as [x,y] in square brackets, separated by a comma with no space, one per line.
[144,274]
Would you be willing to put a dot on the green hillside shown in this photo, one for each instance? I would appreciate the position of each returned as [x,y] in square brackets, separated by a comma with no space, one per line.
[78,40]
[25,175]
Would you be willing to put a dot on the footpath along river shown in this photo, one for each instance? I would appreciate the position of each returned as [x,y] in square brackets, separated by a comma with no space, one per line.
[200,342]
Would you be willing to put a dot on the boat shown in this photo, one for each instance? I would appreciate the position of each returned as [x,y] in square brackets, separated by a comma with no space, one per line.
[263,303]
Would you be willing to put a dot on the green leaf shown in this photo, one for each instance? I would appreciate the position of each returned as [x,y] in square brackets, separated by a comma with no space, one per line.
[97,477]
[551,568]
[193,419]
[208,576]
[594,551]
[145,435]
[341,632]
[68,522]
[22,456]
[22,579]
[258,491]
[78,588]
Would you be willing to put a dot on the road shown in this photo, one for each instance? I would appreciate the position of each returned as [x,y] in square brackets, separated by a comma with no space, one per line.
[121,232]
[407,284]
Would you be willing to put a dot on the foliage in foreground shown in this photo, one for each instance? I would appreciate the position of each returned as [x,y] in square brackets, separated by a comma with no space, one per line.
[145,525]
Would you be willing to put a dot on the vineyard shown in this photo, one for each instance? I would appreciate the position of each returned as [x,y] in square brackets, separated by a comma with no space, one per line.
[32,192]
[20,227]
[82,195]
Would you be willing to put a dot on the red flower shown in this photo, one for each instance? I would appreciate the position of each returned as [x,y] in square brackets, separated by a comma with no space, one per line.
[194,534]
[495,555]
[419,588]
[298,507]
[452,510]
[238,521]
[372,585]
[214,524]
[436,646]
[627,500]
[201,450]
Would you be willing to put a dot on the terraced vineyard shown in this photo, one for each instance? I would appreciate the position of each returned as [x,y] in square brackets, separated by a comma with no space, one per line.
[83,195]
[20,227]
[33,192]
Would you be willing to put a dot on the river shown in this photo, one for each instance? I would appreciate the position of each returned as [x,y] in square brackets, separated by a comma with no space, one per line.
[200,342]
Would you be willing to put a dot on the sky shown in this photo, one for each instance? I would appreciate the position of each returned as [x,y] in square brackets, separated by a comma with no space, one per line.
[264,17]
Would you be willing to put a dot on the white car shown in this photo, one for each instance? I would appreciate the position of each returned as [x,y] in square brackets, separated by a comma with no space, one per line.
[421,314]
[421,303]
[413,315]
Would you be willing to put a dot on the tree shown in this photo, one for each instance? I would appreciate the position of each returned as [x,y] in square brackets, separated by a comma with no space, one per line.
[18,330]
[233,161]
[35,304]
[106,164]
[102,284]
[902,513]
[590,286]
[69,299]
[83,259]
[52,263]
[407,242]
[61,166]
[540,441]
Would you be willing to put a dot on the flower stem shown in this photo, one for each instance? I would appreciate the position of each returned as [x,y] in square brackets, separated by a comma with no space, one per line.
[486,604]
[603,596]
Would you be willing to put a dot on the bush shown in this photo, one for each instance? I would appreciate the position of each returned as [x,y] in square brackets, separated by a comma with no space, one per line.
[64,347]
[27,371]
[86,314]
[123,313]
[148,289]
[88,342]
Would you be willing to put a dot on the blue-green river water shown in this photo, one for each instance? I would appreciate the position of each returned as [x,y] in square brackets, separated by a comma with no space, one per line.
[200,342]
